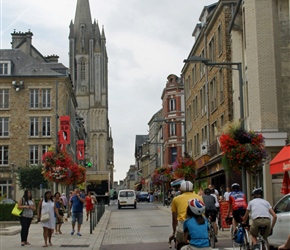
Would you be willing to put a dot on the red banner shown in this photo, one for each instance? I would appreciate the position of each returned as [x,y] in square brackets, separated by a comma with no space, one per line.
[80,149]
[60,145]
[65,130]
[224,206]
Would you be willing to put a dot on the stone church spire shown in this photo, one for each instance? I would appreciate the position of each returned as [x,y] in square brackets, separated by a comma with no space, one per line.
[89,72]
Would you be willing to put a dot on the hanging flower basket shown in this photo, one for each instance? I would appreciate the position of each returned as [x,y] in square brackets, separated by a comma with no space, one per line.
[185,168]
[162,174]
[242,149]
[60,168]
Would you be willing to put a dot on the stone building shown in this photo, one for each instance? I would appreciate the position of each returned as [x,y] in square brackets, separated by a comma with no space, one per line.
[34,91]
[208,93]
[89,70]
[260,34]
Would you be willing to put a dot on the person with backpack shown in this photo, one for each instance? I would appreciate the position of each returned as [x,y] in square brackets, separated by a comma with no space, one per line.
[237,204]
[195,227]
[261,213]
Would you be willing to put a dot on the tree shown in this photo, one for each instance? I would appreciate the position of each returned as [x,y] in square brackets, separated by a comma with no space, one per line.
[31,177]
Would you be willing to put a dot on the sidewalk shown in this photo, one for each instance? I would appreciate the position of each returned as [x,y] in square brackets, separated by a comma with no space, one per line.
[61,241]
[67,241]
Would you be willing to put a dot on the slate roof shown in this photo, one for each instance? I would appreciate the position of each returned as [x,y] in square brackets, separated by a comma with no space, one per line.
[25,65]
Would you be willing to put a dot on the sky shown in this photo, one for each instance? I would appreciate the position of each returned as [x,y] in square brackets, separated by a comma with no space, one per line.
[146,41]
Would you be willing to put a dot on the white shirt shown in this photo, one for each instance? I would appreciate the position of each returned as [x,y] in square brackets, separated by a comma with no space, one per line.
[227,195]
[259,208]
[217,204]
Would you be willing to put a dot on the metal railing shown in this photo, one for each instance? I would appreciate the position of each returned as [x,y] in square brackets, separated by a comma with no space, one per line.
[96,214]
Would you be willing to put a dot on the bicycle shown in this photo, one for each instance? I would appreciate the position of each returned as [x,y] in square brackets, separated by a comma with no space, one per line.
[211,233]
[246,243]
[261,242]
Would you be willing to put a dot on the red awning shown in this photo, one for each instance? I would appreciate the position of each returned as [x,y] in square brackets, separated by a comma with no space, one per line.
[281,162]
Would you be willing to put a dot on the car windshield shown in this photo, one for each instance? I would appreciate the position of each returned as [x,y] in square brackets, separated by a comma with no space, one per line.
[127,194]
[283,206]
[143,193]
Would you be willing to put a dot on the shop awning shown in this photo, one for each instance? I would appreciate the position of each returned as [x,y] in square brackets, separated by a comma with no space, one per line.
[281,162]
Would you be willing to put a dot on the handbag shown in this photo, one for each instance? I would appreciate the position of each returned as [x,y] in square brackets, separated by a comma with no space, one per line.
[45,217]
[16,211]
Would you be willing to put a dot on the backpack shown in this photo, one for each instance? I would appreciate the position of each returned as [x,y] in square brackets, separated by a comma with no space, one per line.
[239,236]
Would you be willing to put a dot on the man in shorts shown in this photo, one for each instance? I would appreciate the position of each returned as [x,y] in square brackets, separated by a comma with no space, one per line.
[179,207]
[77,204]
[237,204]
[261,213]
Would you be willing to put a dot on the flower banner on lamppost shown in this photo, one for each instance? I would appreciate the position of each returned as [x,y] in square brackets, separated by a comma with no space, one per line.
[242,148]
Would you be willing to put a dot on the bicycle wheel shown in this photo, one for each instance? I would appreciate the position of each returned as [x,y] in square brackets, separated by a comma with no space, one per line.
[212,237]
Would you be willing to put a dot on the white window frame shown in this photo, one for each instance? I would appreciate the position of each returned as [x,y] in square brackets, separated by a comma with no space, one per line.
[4,153]
[34,98]
[172,128]
[46,98]
[34,127]
[4,98]
[46,127]
[172,104]
[34,157]
[4,126]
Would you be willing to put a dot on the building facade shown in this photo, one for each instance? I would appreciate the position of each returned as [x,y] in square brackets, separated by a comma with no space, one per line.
[260,33]
[88,62]
[208,93]
[173,116]
[34,92]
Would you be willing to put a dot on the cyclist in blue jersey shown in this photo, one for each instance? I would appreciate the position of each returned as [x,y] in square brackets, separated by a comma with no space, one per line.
[195,226]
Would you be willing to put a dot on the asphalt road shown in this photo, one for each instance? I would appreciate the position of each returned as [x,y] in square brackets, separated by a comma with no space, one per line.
[146,227]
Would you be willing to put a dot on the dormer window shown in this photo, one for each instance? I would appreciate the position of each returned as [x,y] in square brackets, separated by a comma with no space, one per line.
[5,67]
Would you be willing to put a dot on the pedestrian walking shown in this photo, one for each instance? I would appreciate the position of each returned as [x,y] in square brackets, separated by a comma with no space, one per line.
[179,208]
[28,205]
[227,194]
[60,207]
[90,201]
[47,206]
[76,203]
[64,199]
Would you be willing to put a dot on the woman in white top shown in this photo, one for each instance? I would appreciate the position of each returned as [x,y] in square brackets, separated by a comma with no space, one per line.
[47,205]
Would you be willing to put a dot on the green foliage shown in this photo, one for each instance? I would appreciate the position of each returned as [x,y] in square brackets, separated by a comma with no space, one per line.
[31,178]
[5,214]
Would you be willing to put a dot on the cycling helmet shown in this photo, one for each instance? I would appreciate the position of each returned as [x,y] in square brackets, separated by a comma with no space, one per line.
[196,206]
[257,191]
[207,191]
[235,187]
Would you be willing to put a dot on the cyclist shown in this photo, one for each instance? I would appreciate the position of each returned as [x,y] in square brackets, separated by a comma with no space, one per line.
[178,208]
[195,226]
[261,212]
[210,208]
[237,204]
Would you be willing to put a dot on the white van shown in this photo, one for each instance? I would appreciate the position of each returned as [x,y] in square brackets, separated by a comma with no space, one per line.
[127,197]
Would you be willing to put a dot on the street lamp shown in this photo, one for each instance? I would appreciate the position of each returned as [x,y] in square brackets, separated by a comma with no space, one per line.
[239,69]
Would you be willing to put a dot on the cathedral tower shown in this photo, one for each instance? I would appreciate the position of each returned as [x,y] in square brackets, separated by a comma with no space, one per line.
[88,64]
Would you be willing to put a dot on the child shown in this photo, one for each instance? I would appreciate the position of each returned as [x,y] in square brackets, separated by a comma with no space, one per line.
[196,226]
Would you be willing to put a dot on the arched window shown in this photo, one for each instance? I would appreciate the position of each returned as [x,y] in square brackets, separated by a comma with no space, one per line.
[83,70]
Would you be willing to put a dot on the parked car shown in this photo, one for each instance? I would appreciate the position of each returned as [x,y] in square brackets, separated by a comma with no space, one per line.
[127,197]
[8,201]
[143,196]
[282,227]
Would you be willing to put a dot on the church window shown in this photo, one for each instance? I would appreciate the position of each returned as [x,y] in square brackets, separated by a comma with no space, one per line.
[83,70]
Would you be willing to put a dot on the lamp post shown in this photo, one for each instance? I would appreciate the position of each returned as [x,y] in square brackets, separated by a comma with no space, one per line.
[228,65]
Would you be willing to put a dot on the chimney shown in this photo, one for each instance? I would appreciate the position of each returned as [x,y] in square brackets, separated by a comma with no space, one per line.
[18,38]
[52,58]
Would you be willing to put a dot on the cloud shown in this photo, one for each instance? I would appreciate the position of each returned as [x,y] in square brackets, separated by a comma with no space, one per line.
[146,41]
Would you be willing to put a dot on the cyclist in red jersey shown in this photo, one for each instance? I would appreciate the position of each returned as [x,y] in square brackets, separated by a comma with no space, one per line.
[237,204]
